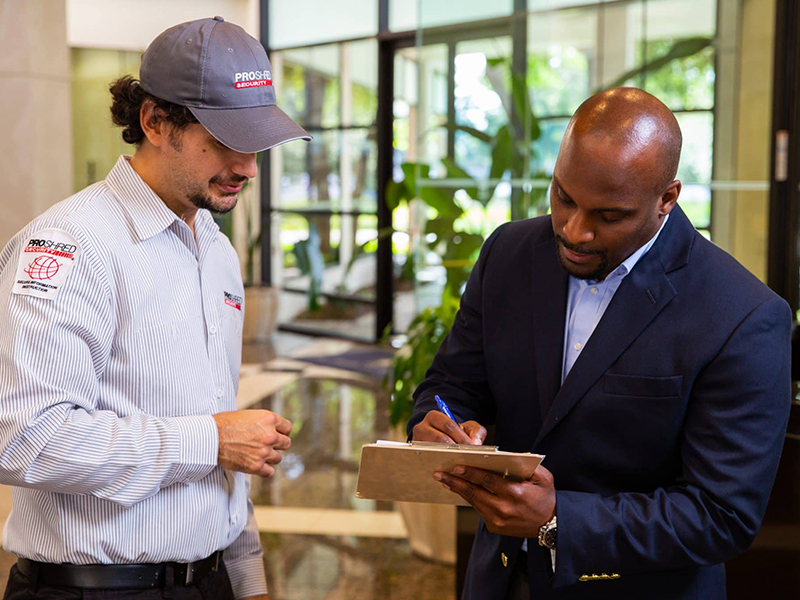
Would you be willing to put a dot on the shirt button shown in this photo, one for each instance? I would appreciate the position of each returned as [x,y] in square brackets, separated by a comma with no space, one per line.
[212,330]
[578,346]
[593,291]
[219,393]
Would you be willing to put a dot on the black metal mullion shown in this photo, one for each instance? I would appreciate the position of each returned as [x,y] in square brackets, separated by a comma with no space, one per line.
[782,264]
[451,99]
[384,120]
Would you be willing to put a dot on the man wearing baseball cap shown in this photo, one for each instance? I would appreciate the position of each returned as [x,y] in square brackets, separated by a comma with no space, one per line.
[121,342]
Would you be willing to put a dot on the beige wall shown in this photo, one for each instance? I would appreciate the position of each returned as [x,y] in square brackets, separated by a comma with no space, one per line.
[742,144]
[754,133]
[132,24]
[35,118]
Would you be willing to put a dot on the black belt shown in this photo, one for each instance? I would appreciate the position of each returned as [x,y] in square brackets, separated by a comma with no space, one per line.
[116,577]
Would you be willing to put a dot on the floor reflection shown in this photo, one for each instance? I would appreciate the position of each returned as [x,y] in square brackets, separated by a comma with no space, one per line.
[351,568]
[331,421]
[333,416]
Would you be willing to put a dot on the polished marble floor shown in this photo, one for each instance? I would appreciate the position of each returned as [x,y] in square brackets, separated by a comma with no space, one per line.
[320,542]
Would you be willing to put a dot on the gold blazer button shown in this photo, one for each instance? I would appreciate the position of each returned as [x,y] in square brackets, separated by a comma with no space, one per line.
[504,558]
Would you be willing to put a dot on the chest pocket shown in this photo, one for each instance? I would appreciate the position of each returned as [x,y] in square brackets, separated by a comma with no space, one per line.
[647,387]
[172,368]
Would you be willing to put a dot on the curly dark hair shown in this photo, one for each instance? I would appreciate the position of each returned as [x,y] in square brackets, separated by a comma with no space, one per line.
[128,97]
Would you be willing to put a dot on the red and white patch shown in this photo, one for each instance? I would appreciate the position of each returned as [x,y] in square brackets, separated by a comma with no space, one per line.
[233,301]
[44,263]
[251,79]
[252,84]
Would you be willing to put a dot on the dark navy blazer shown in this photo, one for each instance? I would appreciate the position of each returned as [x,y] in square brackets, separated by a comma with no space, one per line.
[665,436]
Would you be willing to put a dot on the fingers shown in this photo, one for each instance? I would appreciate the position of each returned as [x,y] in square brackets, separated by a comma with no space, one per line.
[542,476]
[283,426]
[492,483]
[265,471]
[438,427]
[273,457]
[475,431]
[477,496]
[281,442]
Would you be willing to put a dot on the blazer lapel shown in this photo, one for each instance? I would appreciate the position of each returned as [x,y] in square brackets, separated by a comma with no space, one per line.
[642,295]
[549,303]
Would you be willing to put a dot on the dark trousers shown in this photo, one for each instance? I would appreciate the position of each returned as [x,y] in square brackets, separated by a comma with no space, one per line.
[215,586]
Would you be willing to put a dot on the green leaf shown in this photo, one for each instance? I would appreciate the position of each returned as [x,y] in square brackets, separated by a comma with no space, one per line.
[522,103]
[494,62]
[502,152]
[396,193]
[681,49]
[442,200]
[411,362]
[456,172]
[410,171]
[442,228]
[476,133]
[461,246]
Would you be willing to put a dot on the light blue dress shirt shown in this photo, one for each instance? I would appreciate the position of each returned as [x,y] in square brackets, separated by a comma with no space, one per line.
[588,301]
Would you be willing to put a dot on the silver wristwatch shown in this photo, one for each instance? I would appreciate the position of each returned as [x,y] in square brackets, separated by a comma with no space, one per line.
[548,534]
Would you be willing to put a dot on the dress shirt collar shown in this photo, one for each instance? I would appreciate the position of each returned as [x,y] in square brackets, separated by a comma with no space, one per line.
[626,266]
[148,213]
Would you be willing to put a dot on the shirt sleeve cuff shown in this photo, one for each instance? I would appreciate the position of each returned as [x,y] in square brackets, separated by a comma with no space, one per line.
[198,447]
[247,577]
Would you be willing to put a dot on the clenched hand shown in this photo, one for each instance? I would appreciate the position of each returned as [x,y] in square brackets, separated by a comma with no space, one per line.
[250,440]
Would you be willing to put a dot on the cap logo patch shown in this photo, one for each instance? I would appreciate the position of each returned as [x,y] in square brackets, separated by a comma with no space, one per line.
[251,79]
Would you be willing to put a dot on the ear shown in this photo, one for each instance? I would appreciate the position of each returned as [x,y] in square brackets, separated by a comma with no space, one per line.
[669,198]
[153,124]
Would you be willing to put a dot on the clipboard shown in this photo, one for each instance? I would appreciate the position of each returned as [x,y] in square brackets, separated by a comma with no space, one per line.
[403,471]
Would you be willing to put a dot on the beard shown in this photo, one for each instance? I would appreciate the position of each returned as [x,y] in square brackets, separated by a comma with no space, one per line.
[199,198]
[597,274]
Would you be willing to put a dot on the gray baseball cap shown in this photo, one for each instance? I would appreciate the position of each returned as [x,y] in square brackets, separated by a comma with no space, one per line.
[222,74]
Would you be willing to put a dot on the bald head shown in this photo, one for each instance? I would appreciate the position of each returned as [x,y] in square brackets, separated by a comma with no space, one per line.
[636,126]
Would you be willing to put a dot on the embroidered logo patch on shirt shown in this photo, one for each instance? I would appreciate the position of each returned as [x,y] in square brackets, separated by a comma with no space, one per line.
[45,263]
[233,301]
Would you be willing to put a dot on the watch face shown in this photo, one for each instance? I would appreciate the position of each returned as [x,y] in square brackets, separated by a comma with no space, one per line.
[550,537]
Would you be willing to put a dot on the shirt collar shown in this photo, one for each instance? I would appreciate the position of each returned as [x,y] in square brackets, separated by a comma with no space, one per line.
[148,213]
[626,266]
[631,261]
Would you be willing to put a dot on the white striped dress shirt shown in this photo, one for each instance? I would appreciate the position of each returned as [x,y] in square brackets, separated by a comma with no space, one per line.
[107,389]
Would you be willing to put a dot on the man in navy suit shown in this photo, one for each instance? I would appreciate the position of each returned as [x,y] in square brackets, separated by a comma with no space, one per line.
[647,364]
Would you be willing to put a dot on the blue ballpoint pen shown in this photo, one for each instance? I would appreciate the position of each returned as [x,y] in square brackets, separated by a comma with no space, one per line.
[443,407]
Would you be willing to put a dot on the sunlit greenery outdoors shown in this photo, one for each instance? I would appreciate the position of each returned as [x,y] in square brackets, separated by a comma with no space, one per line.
[455,181]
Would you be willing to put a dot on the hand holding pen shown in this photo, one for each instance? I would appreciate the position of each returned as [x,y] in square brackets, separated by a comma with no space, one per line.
[441,426]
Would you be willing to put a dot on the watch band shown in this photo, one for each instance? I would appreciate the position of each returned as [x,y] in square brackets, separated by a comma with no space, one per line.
[548,534]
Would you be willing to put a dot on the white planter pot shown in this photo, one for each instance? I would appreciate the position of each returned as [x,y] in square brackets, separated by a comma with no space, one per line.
[431,527]
[260,313]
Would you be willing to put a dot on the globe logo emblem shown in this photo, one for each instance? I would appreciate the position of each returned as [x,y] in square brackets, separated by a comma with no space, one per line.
[43,268]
